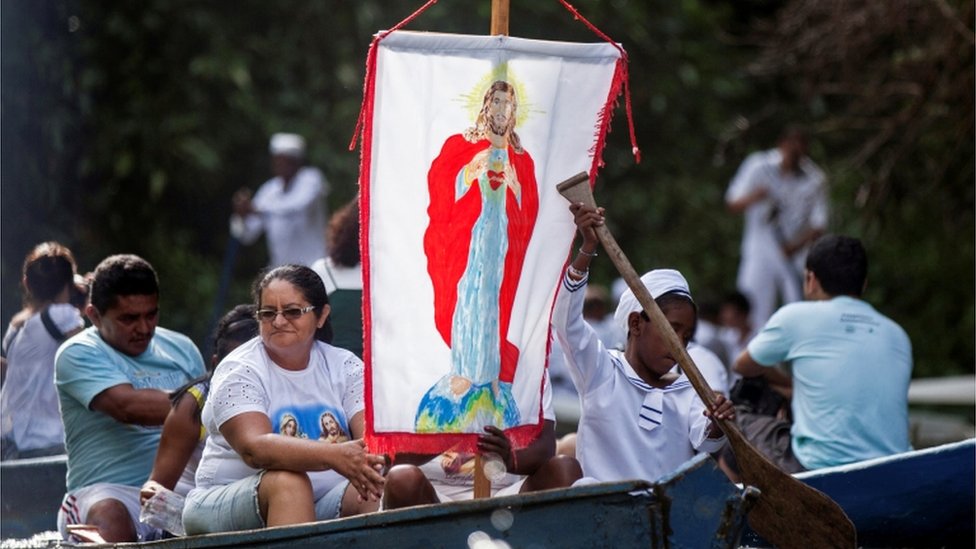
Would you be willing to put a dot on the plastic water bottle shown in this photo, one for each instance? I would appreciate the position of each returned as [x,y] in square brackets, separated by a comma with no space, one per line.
[164,510]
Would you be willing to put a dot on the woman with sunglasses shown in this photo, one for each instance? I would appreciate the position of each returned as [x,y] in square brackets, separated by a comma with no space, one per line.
[252,476]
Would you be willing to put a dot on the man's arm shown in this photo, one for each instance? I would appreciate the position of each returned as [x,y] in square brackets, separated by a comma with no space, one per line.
[126,404]
[779,380]
[804,238]
[739,205]
[746,188]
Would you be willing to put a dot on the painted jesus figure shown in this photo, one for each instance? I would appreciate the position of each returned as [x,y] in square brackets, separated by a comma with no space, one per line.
[483,206]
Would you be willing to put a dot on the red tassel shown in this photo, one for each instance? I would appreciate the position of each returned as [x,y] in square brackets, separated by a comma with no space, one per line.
[623,75]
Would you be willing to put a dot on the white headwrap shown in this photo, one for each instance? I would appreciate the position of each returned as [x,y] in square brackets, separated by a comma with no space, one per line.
[288,144]
[658,282]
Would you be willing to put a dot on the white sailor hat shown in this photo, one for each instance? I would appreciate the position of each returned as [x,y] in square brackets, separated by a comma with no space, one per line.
[658,282]
[288,144]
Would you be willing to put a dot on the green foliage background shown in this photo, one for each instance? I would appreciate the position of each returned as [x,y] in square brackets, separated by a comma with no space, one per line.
[127,126]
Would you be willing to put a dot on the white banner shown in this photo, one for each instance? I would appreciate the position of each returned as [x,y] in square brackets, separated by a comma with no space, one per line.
[465,235]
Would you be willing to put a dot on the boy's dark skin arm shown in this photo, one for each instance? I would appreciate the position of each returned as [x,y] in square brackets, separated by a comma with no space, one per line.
[520,462]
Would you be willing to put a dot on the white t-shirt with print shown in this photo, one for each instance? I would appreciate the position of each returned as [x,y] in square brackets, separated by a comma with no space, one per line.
[247,380]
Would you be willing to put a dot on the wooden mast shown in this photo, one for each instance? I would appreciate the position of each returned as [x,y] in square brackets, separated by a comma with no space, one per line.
[499,26]
[499,17]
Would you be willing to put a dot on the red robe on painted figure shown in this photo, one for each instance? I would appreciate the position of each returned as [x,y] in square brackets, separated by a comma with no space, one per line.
[448,237]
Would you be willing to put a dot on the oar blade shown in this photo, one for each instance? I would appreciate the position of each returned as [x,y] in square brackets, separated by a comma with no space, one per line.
[790,513]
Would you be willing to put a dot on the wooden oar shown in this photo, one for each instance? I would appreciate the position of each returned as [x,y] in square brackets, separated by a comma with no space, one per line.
[788,513]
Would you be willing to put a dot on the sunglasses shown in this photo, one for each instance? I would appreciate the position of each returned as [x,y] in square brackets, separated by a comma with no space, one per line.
[294,313]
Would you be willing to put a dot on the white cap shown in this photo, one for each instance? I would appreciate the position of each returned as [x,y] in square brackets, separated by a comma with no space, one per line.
[658,282]
[288,144]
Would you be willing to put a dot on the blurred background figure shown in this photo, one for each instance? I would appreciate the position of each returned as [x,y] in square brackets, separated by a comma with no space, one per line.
[783,195]
[708,332]
[289,208]
[736,327]
[342,274]
[29,414]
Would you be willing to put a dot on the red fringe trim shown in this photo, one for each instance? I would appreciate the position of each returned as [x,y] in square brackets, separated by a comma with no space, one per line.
[364,128]
[392,443]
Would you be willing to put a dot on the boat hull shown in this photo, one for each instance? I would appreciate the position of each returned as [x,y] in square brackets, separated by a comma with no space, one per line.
[695,507]
[924,498]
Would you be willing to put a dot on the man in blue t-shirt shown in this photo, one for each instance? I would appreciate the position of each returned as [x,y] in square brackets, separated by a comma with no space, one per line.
[113,382]
[850,364]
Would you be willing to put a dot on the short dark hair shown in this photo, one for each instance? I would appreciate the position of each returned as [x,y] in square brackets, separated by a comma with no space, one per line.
[308,282]
[739,301]
[48,268]
[840,264]
[234,328]
[121,275]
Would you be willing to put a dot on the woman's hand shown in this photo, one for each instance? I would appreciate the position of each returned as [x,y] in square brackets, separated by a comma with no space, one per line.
[148,490]
[495,442]
[361,468]
[723,409]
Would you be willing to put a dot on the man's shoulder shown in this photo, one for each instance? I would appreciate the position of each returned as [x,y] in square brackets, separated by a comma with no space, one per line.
[815,173]
[170,339]
[84,342]
[800,309]
[310,175]
[762,159]
[172,336]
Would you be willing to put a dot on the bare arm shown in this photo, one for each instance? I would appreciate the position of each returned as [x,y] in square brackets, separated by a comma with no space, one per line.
[739,205]
[779,380]
[801,240]
[126,404]
[527,460]
[541,450]
[251,436]
[181,434]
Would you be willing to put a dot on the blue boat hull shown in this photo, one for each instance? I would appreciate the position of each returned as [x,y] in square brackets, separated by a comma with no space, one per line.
[696,507]
[31,491]
[925,498]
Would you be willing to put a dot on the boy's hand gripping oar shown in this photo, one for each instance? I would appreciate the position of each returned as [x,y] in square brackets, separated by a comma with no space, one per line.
[788,513]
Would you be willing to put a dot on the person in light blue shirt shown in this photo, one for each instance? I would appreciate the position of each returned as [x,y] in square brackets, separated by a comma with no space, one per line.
[851,365]
[113,382]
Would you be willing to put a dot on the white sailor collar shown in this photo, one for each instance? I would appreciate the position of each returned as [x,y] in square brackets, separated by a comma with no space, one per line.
[651,412]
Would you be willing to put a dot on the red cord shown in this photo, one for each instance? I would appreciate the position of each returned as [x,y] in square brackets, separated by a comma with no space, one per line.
[626,77]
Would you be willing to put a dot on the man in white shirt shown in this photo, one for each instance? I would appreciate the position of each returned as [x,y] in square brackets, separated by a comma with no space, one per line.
[783,195]
[290,207]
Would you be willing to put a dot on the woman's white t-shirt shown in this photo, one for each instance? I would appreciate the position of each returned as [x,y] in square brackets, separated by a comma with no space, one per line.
[29,412]
[296,403]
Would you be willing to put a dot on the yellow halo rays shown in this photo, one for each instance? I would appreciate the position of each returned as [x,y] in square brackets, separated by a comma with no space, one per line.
[474,99]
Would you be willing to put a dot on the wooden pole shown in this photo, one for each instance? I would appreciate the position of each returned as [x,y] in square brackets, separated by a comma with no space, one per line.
[499,17]
[482,484]
[499,25]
